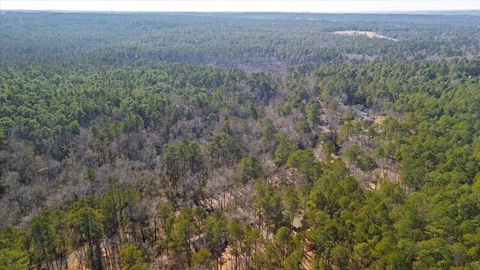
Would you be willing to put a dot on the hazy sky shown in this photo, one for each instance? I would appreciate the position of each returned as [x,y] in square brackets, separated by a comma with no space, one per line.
[242,5]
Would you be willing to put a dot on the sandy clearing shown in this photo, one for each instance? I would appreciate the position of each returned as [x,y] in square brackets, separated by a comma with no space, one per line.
[369,34]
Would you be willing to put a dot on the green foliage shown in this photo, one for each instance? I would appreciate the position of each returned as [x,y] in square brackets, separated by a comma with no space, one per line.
[46,239]
[269,206]
[284,148]
[182,158]
[249,167]
[224,149]
[305,162]
[180,236]
[269,132]
[215,233]
[366,163]
[353,153]
[294,260]
[433,254]
[87,225]
[74,127]
[312,110]
[202,257]
[329,147]
[132,258]
[3,137]
[13,256]
[118,209]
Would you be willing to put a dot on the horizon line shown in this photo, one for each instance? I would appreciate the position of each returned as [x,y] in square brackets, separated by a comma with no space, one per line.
[236,6]
[393,12]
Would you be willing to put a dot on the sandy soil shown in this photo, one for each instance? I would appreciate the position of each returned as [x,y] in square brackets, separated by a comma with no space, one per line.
[368,34]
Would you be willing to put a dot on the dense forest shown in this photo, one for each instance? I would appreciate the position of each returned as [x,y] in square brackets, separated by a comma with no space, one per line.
[239,141]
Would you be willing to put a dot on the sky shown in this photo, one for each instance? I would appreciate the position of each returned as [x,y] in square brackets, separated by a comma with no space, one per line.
[314,6]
